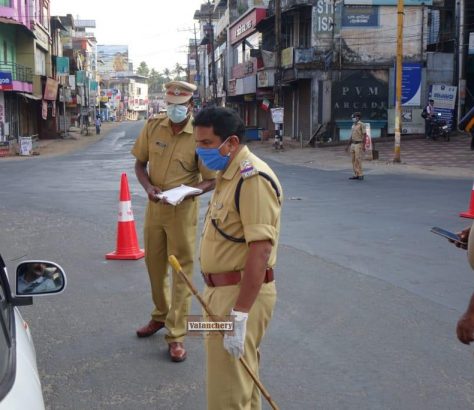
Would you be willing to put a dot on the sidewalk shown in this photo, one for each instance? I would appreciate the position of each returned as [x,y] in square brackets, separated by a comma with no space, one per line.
[60,146]
[449,158]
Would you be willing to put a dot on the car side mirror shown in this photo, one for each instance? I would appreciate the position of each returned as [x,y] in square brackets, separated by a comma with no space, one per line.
[39,278]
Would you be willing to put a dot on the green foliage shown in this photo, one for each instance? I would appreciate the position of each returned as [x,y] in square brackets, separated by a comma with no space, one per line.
[143,69]
[157,80]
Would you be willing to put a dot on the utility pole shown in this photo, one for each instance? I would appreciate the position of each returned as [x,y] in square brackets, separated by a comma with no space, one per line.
[398,91]
[213,76]
[277,82]
[460,34]
[278,74]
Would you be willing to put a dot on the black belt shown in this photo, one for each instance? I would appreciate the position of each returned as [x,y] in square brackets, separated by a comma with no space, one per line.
[357,142]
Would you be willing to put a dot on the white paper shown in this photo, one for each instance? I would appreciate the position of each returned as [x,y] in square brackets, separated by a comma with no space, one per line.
[176,195]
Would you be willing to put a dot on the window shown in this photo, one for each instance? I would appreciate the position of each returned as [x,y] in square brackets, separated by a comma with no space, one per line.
[5,52]
[5,3]
[40,62]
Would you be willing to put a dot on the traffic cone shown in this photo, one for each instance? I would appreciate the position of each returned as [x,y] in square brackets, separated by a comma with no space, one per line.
[470,212]
[127,242]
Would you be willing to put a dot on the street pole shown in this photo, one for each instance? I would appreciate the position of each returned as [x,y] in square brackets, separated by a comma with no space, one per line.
[277,82]
[278,74]
[461,49]
[213,76]
[398,91]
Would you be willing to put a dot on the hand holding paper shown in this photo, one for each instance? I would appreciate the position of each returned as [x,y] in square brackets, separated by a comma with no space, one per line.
[176,195]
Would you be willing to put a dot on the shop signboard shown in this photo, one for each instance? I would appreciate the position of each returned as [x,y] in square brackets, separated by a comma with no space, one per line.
[277,115]
[411,84]
[62,66]
[80,78]
[304,55]
[387,2]
[365,91]
[51,89]
[444,97]
[287,57]
[412,121]
[246,25]
[360,16]
[26,145]
[6,81]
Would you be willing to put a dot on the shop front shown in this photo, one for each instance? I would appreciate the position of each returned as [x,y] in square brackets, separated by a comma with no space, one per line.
[242,86]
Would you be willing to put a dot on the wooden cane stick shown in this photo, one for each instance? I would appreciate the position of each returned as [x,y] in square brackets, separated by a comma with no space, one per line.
[177,268]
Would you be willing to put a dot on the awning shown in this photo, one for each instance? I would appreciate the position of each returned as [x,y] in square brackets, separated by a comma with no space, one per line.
[30,96]
[6,20]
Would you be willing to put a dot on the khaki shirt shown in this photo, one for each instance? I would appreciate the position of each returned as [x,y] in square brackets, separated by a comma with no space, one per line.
[259,217]
[470,247]
[358,132]
[172,159]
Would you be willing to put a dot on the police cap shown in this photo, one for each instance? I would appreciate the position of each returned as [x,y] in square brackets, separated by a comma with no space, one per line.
[179,92]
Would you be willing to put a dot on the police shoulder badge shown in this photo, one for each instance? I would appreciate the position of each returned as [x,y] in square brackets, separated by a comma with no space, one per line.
[247,169]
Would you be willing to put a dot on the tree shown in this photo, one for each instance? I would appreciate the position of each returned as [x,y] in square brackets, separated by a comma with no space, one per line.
[178,69]
[143,69]
[155,81]
[167,74]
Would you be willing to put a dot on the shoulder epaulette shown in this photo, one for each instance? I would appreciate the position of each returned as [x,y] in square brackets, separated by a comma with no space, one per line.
[247,169]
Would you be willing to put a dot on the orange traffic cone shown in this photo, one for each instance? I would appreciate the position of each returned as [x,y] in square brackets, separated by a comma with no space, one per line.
[470,212]
[127,242]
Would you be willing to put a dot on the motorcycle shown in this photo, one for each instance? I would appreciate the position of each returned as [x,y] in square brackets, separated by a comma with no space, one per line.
[439,127]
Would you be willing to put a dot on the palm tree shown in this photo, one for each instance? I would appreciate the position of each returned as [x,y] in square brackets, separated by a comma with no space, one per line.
[178,69]
[167,74]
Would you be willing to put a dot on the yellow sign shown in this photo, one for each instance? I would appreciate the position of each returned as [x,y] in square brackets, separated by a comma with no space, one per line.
[287,57]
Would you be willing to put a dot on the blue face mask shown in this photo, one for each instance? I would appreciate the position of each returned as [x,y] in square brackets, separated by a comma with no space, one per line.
[177,113]
[212,158]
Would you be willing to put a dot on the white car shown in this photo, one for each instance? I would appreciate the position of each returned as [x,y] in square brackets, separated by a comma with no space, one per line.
[20,385]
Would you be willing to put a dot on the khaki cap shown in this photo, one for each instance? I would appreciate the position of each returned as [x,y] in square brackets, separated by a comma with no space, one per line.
[179,92]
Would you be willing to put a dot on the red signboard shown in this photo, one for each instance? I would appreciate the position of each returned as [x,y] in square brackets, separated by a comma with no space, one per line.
[246,25]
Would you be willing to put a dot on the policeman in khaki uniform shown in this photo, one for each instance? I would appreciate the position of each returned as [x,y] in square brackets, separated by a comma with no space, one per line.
[357,146]
[166,158]
[237,255]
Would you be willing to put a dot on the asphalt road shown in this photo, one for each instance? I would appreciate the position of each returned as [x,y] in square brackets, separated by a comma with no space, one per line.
[367,306]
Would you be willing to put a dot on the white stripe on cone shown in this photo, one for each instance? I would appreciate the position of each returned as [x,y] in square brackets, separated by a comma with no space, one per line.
[125,213]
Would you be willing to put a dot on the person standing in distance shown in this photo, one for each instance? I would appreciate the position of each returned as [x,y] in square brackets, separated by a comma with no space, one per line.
[166,158]
[238,252]
[357,145]
[430,112]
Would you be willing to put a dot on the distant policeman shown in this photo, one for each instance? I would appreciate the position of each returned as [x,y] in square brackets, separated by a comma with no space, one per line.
[238,253]
[166,158]
[357,145]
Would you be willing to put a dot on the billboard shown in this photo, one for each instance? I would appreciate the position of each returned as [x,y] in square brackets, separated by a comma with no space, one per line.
[112,59]
[360,16]
[411,84]
[387,2]
[365,91]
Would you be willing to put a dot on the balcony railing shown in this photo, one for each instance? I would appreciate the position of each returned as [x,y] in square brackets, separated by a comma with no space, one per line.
[19,72]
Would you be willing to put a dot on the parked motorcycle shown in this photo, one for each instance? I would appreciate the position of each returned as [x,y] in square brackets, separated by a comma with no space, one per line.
[439,127]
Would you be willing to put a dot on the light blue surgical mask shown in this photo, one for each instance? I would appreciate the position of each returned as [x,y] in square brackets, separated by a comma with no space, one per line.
[212,158]
[177,113]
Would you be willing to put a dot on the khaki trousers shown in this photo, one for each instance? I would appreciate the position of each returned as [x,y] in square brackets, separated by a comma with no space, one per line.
[357,156]
[170,230]
[229,386]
